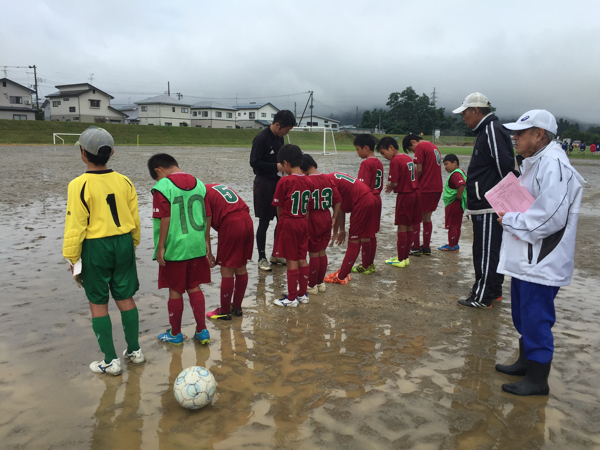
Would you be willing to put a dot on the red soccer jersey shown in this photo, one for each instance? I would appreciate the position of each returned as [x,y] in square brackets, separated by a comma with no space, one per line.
[349,190]
[293,194]
[221,200]
[402,172]
[456,180]
[371,174]
[161,208]
[428,155]
[324,192]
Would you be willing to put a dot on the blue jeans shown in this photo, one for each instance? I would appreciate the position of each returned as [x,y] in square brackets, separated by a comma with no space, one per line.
[532,306]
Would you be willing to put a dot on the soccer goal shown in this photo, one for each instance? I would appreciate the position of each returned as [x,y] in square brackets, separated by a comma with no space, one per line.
[58,135]
[329,147]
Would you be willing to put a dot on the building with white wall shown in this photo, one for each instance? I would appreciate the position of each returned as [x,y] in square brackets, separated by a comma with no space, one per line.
[255,115]
[81,102]
[317,121]
[15,101]
[164,110]
[213,115]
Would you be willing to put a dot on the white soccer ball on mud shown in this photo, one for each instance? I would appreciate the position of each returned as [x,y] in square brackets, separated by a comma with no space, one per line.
[194,387]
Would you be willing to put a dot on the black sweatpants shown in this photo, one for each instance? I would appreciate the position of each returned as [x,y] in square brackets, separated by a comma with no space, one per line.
[487,239]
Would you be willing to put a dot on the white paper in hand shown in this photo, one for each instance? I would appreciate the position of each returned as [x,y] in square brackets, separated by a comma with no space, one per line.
[76,272]
[509,196]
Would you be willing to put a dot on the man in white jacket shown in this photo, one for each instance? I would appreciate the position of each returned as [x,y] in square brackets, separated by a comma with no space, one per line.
[538,247]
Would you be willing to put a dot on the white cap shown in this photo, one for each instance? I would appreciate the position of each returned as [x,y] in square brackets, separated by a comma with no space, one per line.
[535,118]
[93,138]
[476,99]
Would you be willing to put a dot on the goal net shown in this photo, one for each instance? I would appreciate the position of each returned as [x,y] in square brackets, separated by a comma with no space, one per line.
[305,135]
[59,136]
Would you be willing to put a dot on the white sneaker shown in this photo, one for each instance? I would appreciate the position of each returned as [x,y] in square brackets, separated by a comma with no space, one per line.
[136,357]
[285,302]
[303,299]
[312,290]
[321,286]
[263,264]
[277,260]
[114,367]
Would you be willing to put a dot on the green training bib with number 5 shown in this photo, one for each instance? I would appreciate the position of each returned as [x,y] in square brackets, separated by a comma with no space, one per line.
[188,221]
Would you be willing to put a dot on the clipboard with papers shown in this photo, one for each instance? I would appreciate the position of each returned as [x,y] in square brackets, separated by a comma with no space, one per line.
[509,196]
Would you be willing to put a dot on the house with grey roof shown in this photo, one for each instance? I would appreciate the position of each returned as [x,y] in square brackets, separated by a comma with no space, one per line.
[317,121]
[213,115]
[81,102]
[164,110]
[15,101]
[255,115]
[132,114]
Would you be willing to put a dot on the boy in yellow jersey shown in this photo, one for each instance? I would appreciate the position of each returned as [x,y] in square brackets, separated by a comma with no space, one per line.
[102,228]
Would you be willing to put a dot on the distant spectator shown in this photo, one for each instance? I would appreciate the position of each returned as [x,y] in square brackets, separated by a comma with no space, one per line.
[570,148]
[565,146]
[593,149]
[582,147]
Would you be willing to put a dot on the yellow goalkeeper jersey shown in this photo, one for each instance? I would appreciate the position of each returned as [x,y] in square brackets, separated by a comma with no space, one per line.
[100,204]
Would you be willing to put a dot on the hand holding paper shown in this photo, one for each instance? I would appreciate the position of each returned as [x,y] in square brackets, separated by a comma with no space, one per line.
[509,196]
[76,272]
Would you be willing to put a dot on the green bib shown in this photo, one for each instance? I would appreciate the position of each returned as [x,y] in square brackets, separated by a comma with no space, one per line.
[185,239]
[449,195]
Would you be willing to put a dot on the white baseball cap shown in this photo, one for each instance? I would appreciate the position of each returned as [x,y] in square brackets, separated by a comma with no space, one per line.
[476,99]
[535,118]
[93,138]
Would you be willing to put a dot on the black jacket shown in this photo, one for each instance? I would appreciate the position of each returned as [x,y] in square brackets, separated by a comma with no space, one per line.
[493,158]
[263,156]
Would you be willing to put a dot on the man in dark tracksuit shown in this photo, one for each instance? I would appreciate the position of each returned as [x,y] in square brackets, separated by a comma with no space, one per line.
[493,158]
[263,159]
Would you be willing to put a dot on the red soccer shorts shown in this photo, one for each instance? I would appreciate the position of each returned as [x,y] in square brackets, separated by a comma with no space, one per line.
[362,218]
[408,209]
[235,240]
[291,239]
[454,215]
[185,275]
[319,230]
[429,201]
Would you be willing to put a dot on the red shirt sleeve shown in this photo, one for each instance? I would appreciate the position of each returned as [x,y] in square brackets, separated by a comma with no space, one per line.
[337,197]
[161,208]
[279,196]
[456,180]
[394,175]
[419,154]
[207,206]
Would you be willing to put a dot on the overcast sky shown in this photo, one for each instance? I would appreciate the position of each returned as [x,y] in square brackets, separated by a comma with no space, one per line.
[521,54]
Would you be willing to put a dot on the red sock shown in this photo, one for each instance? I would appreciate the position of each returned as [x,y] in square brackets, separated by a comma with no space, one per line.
[314,265]
[373,250]
[197,303]
[365,249]
[322,269]
[416,237]
[175,308]
[402,246]
[427,229]
[303,274]
[241,282]
[292,282]
[349,259]
[226,294]
[453,236]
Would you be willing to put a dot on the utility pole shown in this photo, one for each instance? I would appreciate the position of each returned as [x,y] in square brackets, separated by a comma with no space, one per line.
[433,97]
[311,108]
[37,100]
[169,88]
[294,109]
[91,78]
[356,123]
[179,95]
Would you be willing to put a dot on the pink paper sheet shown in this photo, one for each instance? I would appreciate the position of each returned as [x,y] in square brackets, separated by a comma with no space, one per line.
[509,196]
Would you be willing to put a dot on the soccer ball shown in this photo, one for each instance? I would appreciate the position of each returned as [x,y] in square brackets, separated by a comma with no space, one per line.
[194,387]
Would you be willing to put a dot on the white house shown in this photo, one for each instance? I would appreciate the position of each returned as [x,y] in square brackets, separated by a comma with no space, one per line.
[164,110]
[81,102]
[255,115]
[15,101]
[317,121]
[132,112]
[213,115]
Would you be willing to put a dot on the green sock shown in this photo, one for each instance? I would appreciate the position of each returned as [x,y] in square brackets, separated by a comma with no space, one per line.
[131,327]
[103,329]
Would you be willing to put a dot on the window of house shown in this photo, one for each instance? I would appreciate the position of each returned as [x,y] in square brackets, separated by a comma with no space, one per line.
[272,116]
[93,91]
[76,118]
[68,120]
[218,114]
[327,125]
[205,114]
[55,103]
[252,115]
[229,126]
[4,84]
[184,110]
[194,113]
[144,109]
[169,124]
[65,99]
[16,99]
[263,114]
[333,125]
[229,115]
[71,109]
[94,103]
[239,114]
[19,117]
[183,124]
[327,122]
[173,109]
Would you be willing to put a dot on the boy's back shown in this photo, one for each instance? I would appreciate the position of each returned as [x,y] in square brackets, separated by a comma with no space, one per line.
[293,195]
[402,172]
[222,200]
[350,191]
[371,174]
[428,155]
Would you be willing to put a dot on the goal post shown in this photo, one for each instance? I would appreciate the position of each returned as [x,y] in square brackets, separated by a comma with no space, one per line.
[297,130]
[58,135]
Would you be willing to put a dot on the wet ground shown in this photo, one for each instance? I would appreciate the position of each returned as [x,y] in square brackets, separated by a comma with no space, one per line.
[389,361]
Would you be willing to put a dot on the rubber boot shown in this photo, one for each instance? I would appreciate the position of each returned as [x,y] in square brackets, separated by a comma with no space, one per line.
[534,383]
[519,368]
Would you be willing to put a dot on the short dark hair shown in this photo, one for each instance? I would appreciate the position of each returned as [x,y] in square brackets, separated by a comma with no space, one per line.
[365,140]
[408,138]
[386,142]
[307,162]
[290,153]
[451,158]
[485,110]
[285,118]
[101,159]
[160,160]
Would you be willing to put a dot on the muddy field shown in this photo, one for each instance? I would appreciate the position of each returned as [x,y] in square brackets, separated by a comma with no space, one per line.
[389,361]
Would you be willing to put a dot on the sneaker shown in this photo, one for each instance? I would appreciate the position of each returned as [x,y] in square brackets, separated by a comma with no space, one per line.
[114,367]
[398,264]
[333,278]
[416,252]
[371,268]
[406,262]
[312,290]
[277,260]
[136,357]
[168,338]
[447,248]
[263,264]
[285,302]
[426,251]
[238,312]
[497,297]
[322,287]
[359,269]
[203,336]
[303,299]
[216,314]
[471,302]
[389,261]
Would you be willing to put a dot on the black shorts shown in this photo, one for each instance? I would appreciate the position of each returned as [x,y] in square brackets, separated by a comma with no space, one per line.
[264,191]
